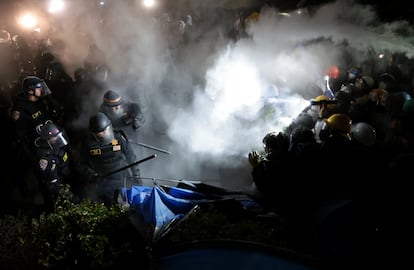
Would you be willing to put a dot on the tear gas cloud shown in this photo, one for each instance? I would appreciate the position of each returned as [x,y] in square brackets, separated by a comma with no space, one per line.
[211,100]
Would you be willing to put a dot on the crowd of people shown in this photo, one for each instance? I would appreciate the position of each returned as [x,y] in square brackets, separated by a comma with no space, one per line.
[354,143]
[39,103]
[37,93]
[338,149]
[43,146]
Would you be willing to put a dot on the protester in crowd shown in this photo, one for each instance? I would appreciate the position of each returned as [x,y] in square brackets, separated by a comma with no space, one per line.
[335,148]
[268,166]
[320,107]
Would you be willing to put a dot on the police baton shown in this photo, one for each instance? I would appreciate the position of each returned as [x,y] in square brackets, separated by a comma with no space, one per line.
[130,165]
[150,147]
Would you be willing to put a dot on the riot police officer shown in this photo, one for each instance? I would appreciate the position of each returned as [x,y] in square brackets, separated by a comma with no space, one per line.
[104,152]
[55,162]
[33,107]
[126,116]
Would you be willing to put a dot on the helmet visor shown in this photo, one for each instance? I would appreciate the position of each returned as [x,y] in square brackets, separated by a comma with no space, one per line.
[105,136]
[40,85]
[57,141]
[115,112]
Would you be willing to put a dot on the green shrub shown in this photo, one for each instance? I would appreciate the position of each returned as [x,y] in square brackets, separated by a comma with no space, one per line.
[87,234]
[212,222]
[16,247]
[92,236]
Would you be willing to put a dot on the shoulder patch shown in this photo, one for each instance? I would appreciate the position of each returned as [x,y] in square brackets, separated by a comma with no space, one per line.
[15,115]
[115,142]
[43,164]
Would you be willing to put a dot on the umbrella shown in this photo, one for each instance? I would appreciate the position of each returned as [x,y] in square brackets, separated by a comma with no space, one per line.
[156,209]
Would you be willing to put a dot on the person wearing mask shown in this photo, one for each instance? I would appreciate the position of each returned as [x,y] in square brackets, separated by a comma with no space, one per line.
[54,160]
[126,116]
[103,153]
[33,107]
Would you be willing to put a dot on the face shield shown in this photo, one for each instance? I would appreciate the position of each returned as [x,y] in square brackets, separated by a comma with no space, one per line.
[39,89]
[105,136]
[53,136]
[44,89]
[116,112]
[113,105]
[57,141]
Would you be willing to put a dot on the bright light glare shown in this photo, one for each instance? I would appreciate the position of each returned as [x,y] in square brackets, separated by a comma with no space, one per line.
[56,6]
[148,3]
[234,85]
[28,21]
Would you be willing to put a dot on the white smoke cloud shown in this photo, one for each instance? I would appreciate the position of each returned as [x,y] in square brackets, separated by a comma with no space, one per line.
[204,100]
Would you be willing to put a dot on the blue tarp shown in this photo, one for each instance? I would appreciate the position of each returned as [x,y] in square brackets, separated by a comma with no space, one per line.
[159,208]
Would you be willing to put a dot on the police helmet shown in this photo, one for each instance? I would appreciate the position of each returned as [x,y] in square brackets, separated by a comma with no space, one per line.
[30,83]
[112,98]
[99,122]
[101,128]
[53,136]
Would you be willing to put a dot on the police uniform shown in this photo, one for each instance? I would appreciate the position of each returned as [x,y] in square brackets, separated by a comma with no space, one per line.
[29,117]
[54,165]
[125,116]
[129,122]
[32,109]
[54,169]
[102,159]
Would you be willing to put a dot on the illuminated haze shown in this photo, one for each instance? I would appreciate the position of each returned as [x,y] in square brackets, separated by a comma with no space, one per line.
[204,101]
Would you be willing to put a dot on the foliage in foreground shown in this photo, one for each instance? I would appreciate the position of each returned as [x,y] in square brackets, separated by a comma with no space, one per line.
[93,236]
[213,222]
[88,235]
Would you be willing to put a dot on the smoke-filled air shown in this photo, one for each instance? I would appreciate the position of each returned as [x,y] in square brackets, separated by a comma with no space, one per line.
[209,95]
